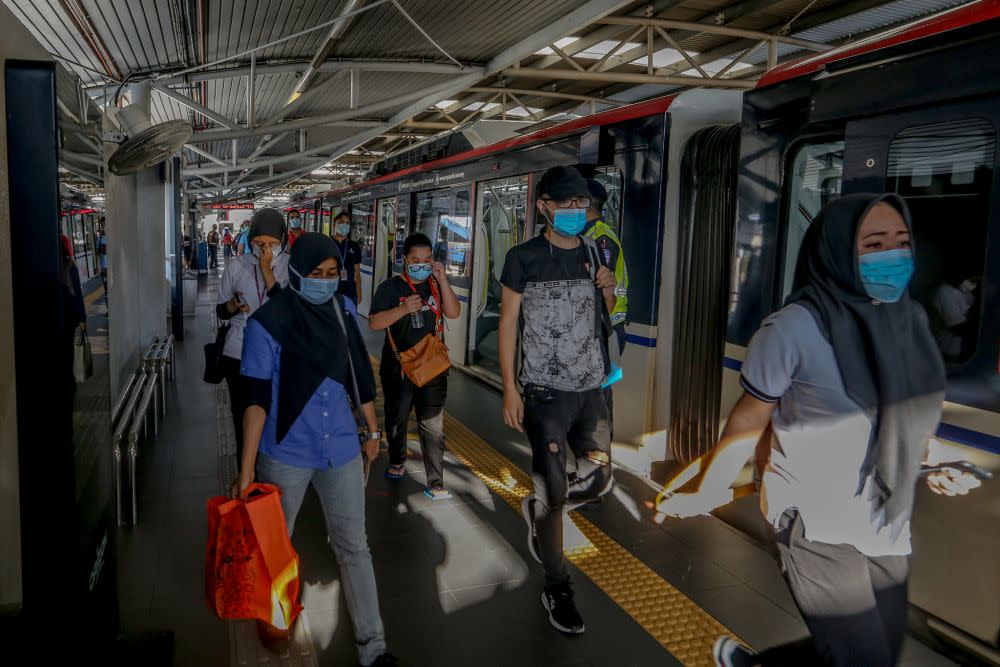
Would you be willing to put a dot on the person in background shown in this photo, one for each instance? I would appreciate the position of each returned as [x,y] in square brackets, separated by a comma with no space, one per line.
[242,240]
[558,292]
[850,380]
[302,358]
[610,247]
[75,310]
[213,247]
[247,283]
[186,249]
[350,252]
[409,307]
[227,243]
[102,252]
[952,314]
[294,228]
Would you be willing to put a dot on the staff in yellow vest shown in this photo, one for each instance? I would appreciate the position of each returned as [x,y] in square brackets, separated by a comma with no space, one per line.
[608,243]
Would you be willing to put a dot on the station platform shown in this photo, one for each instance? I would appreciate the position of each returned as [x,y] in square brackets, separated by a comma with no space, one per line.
[456,583]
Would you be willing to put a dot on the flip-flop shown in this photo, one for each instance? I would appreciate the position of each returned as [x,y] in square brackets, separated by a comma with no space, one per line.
[437,494]
[395,472]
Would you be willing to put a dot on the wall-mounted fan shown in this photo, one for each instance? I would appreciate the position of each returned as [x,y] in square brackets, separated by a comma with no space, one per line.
[146,144]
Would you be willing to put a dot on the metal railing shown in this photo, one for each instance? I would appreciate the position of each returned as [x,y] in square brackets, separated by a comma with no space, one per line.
[145,393]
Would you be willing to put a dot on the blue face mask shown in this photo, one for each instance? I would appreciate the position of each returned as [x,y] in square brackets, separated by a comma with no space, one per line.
[316,291]
[295,223]
[419,272]
[343,229]
[569,221]
[886,274]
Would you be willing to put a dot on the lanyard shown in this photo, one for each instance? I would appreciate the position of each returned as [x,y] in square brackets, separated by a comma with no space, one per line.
[260,293]
[436,307]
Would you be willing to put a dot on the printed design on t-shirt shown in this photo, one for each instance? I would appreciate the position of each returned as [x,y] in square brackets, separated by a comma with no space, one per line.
[559,347]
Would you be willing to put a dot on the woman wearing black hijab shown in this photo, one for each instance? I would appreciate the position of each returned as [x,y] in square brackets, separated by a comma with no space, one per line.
[850,380]
[305,361]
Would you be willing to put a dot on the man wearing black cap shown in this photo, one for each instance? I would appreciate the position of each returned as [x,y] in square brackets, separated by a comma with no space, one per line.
[558,290]
[246,284]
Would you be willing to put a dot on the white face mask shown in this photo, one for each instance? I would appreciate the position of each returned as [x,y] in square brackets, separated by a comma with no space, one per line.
[275,250]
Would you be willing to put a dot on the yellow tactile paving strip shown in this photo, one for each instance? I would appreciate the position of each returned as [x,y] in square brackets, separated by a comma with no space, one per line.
[671,618]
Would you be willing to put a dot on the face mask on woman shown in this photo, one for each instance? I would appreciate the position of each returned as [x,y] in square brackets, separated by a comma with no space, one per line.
[316,291]
[295,223]
[418,272]
[257,249]
[886,274]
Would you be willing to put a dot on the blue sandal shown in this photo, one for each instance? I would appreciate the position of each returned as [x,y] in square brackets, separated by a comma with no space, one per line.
[395,471]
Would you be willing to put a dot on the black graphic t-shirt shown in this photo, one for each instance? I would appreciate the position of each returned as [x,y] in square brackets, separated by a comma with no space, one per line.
[350,251]
[559,323]
[389,295]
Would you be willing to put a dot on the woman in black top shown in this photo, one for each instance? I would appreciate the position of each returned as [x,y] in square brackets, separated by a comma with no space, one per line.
[412,306]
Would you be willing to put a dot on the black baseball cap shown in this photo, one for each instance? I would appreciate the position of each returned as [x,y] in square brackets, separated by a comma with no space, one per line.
[561,183]
[597,190]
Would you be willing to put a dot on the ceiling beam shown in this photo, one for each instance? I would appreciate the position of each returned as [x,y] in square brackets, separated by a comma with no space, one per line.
[716,30]
[326,49]
[297,67]
[186,101]
[528,92]
[574,20]
[628,77]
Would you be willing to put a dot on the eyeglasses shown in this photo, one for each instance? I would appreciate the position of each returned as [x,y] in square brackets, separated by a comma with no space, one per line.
[575,202]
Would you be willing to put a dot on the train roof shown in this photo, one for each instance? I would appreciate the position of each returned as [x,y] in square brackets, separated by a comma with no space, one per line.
[639,110]
[959,17]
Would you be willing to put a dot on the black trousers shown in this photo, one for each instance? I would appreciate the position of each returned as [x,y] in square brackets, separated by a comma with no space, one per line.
[401,396]
[213,254]
[854,605]
[237,384]
[558,423]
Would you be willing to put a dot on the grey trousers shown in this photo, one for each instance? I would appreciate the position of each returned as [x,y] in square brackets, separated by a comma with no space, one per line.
[854,605]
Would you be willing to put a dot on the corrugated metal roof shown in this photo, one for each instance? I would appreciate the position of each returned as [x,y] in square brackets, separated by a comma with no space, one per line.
[148,36]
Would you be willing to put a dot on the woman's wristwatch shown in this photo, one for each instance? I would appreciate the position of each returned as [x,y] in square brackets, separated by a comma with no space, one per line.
[373,435]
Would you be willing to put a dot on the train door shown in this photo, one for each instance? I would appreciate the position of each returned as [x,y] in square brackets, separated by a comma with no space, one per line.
[363,232]
[942,161]
[501,211]
[399,233]
[385,235]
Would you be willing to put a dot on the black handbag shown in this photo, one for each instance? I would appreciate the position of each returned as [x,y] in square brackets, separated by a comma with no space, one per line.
[215,370]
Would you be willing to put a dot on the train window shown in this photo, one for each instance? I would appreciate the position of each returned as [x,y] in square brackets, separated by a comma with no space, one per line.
[945,172]
[363,230]
[816,176]
[612,180]
[402,228]
[443,215]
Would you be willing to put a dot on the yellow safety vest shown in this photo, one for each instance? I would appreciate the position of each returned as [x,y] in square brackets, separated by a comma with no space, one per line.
[620,312]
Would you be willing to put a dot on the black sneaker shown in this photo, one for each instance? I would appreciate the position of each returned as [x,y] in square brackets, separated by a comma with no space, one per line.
[385,660]
[730,653]
[563,616]
[528,512]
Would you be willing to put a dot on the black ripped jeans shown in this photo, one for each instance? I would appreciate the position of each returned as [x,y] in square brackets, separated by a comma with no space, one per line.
[401,396]
[558,422]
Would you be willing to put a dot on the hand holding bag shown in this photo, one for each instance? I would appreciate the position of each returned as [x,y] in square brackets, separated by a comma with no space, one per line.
[428,358]
[251,569]
[83,358]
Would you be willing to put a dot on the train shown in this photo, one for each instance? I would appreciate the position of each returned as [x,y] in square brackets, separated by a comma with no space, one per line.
[711,192]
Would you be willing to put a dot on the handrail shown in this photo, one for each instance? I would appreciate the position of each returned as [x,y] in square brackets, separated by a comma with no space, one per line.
[120,403]
[116,442]
[133,442]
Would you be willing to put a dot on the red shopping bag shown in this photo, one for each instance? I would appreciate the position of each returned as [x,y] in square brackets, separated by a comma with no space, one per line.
[251,569]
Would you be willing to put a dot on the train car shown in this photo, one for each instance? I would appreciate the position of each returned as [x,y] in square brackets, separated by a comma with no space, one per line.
[711,193]
[896,114]
[476,204]
[83,227]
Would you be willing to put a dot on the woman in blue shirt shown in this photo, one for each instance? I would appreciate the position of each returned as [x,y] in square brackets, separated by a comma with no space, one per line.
[304,360]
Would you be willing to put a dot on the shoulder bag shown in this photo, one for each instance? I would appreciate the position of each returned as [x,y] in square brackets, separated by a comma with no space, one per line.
[428,358]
